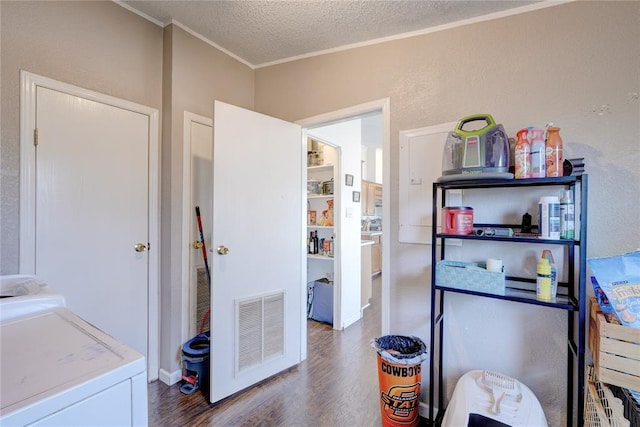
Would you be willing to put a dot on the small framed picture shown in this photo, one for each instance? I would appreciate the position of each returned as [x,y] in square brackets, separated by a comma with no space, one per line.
[356,196]
[348,180]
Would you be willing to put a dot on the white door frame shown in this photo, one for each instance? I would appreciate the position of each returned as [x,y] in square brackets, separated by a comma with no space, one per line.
[188,299]
[28,85]
[347,113]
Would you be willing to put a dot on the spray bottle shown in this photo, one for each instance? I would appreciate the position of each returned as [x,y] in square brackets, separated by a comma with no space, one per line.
[522,155]
[553,147]
[538,153]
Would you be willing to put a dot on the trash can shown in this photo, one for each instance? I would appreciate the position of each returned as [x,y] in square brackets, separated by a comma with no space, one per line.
[399,374]
[195,364]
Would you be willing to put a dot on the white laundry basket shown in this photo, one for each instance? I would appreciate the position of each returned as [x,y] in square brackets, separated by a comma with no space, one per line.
[486,398]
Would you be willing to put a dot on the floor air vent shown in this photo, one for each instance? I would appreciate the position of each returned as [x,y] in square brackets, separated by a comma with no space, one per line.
[260,331]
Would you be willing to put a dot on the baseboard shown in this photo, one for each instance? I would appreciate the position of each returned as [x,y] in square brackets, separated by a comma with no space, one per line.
[351,320]
[423,410]
[170,378]
[363,309]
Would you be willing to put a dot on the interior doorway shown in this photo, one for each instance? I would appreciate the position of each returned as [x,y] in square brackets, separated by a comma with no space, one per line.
[71,138]
[197,190]
[379,107]
[364,113]
[324,232]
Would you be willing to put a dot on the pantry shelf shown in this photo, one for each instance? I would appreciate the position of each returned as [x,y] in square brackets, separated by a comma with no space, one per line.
[321,231]
[321,168]
[321,257]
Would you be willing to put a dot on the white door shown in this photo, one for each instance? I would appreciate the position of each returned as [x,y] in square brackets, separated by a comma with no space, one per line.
[257,304]
[91,211]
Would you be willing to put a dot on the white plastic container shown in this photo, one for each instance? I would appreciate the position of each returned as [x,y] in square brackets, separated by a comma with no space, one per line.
[567,216]
[549,217]
[314,186]
[538,154]
[475,397]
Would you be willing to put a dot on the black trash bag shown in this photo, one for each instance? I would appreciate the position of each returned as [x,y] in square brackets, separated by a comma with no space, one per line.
[401,350]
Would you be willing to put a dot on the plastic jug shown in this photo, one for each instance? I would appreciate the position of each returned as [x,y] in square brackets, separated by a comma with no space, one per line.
[523,155]
[543,280]
[554,157]
[538,153]
[457,220]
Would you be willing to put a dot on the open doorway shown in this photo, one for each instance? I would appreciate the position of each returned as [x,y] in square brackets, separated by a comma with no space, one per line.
[371,164]
[191,324]
[197,190]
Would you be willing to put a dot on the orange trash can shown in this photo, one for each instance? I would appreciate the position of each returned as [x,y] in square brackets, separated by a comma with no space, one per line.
[399,375]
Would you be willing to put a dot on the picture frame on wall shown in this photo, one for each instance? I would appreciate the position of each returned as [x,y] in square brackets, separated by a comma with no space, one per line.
[356,196]
[348,180]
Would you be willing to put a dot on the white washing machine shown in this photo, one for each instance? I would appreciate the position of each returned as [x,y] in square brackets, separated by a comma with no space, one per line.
[57,369]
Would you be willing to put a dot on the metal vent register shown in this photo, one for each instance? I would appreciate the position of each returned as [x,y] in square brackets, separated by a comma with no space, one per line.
[260,330]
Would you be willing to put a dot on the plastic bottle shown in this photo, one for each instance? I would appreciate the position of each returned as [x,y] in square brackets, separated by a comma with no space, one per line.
[522,155]
[554,273]
[567,216]
[538,153]
[549,217]
[554,156]
[331,247]
[543,280]
[315,242]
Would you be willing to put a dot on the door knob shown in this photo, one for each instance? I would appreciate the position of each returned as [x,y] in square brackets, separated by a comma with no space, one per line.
[197,244]
[140,247]
[223,250]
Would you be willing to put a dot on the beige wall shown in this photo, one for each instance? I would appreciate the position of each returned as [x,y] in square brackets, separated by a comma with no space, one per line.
[103,47]
[95,45]
[194,74]
[559,64]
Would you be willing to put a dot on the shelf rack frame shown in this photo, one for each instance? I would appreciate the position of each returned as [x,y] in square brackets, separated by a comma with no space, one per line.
[571,297]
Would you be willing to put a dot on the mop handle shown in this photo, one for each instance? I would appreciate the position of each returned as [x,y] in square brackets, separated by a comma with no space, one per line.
[204,248]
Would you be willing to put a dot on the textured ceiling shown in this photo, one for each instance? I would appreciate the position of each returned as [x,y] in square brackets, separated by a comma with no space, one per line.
[260,32]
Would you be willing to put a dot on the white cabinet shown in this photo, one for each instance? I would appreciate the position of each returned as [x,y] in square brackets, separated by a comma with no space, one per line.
[365,273]
[371,197]
[375,255]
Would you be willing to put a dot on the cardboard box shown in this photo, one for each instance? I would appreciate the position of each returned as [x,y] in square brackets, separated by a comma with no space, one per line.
[615,350]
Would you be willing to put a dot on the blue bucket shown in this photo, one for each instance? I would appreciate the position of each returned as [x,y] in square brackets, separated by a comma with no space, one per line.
[195,363]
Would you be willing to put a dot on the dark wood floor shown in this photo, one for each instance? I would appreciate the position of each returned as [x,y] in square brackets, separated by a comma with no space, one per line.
[336,386]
